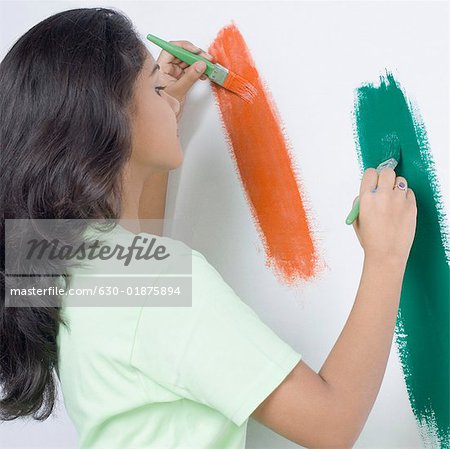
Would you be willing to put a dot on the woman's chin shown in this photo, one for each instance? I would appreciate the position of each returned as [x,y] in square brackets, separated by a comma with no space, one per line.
[179,160]
[168,159]
[175,160]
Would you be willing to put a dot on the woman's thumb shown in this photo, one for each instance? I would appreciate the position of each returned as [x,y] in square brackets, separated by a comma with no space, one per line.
[200,67]
[190,76]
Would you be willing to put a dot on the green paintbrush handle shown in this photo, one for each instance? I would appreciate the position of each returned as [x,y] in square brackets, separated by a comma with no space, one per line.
[181,53]
[353,213]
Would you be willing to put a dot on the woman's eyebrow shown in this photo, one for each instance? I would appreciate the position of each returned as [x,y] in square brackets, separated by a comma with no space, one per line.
[155,68]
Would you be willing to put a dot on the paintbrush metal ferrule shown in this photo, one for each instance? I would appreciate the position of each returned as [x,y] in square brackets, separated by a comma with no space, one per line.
[233,82]
[219,74]
[391,163]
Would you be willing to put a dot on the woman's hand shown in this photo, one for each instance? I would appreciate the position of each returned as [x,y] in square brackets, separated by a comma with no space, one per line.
[386,223]
[178,76]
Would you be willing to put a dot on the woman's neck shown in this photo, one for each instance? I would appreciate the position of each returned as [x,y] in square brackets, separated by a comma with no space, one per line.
[132,185]
[143,200]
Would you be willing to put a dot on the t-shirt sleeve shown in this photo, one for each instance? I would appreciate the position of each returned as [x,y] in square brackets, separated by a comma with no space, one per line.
[217,352]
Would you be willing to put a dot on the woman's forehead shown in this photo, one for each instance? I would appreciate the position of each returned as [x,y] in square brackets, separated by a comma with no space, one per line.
[149,62]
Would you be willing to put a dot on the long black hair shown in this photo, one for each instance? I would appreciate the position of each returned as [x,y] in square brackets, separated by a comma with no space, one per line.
[66,100]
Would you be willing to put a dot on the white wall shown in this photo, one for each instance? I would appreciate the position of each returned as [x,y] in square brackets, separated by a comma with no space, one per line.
[324,50]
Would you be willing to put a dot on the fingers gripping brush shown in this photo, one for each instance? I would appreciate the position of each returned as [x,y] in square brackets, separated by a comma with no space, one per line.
[390,148]
[215,72]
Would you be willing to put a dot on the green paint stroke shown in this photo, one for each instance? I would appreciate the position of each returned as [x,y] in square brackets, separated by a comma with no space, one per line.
[422,328]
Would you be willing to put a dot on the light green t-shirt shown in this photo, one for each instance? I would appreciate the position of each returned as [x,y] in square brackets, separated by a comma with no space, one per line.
[167,377]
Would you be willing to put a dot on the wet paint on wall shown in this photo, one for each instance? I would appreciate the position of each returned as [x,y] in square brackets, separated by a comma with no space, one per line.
[422,329]
[262,156]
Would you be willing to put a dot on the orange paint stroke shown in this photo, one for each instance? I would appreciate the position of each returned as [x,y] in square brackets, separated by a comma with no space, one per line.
[261,154]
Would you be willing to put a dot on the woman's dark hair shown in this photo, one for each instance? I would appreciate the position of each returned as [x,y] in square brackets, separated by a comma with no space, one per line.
[66,99]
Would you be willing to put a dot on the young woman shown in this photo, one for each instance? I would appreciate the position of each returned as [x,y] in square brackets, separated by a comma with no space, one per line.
[89,131]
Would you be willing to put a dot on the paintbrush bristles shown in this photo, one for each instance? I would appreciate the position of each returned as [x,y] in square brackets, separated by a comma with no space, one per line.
[390,147]
[240,86]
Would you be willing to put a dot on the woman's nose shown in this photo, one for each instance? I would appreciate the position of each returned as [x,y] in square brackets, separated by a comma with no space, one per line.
[173,102]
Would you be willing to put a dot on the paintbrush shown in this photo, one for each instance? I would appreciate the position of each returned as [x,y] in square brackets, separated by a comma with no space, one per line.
[390,147]
[215,72]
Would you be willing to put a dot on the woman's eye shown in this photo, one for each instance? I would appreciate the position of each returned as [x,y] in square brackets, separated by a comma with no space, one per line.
[158,88]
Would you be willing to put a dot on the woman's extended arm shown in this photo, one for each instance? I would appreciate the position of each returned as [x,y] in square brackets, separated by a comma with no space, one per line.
[329,409]
[355,367]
